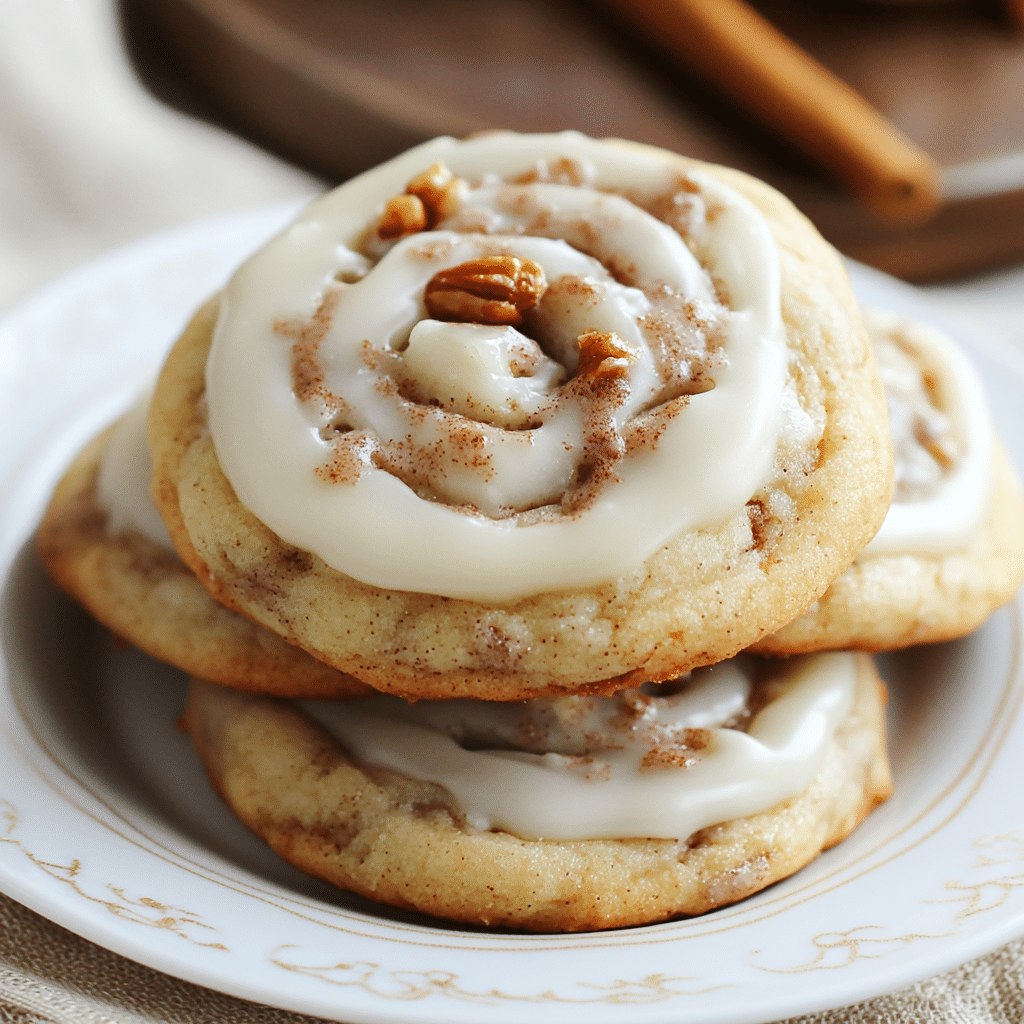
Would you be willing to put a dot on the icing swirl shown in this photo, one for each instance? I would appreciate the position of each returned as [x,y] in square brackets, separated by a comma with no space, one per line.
[122,481]
[659,764]
[942,436]
[389,388]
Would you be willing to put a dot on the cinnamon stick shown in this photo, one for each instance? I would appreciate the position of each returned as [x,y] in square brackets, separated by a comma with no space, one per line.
[1015,12]
[765,71]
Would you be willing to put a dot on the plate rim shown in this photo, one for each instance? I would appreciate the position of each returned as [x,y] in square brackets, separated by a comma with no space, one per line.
[157,247]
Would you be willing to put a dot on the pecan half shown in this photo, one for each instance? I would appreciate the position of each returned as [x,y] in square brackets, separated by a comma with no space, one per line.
[489,290]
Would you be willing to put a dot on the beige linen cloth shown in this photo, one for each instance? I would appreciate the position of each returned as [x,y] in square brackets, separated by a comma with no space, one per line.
[88,161]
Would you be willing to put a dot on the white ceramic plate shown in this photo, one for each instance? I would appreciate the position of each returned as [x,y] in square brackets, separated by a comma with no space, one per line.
[108,827]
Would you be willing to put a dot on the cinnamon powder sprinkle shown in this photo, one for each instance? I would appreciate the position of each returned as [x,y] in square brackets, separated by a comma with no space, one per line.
[686,340]
[307,371]
[681,754]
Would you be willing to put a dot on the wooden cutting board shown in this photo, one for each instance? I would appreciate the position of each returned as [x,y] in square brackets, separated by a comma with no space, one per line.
[339,85]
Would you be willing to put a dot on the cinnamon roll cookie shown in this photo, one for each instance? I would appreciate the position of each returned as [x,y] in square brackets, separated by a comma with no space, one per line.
[560,814]
[103,541]
[951,549]
[526,415]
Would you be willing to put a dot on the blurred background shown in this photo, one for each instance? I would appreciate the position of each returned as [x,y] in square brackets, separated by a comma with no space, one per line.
[337,86]
[121,117]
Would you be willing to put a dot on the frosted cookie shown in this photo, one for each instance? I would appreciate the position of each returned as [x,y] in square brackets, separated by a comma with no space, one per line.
[104,543]
[951,549]
[733,781]
[523,415]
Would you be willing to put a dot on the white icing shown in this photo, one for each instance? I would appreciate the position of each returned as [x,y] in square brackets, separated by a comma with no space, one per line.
[955,507]
[587,781]
[469,369]
[708,461]
[122,486]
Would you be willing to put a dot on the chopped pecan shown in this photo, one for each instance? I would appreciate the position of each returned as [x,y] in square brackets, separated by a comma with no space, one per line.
[404,215]
[440,192]
[430,197]
[489,290]
[603,355]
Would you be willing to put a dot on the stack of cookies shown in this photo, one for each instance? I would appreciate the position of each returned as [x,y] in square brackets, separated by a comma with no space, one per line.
[524,512]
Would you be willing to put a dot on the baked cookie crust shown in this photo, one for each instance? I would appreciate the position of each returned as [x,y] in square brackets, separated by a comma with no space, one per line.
[150,598]
[885,602]
[701,598]
[406,843]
